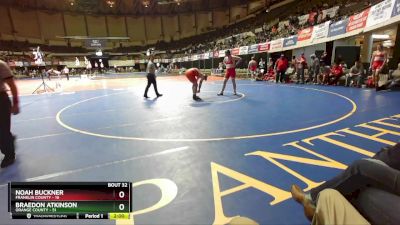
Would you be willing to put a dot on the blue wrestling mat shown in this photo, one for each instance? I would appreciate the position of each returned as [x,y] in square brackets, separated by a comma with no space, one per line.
[200,162]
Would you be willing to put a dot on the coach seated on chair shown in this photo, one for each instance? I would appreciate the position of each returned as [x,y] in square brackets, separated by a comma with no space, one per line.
[395,79]
[290,73]
[335,74]
[371,185]
[355,75]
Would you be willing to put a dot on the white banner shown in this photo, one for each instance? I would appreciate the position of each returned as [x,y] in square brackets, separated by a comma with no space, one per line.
[195,57]
[331,12]
[19,63]
[119,63]
[243,50]
[206,55]
[303,19]
[282,25]
[276,44]
[186,59]
[221,53]
[321,31]
[258,30]
[380,12]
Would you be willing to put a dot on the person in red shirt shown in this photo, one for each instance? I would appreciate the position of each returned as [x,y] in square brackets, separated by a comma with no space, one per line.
[333,77]
[280,67]
[270,74]
[196,78]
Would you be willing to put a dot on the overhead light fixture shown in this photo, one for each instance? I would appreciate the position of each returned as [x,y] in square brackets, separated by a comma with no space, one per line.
[380,36]
[146,3]
[110,3]
[388,44]
[99,53]
[71,2]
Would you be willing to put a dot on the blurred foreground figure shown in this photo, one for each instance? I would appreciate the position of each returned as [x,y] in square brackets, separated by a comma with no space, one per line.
[7,140]
[371,185]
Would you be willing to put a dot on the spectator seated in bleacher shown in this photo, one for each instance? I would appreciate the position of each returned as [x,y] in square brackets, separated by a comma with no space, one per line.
[335,74]
[260,75]
[270,74]
[394,80]
[371,185]
[334,208]
[290,73]
[395,76]
[355,76]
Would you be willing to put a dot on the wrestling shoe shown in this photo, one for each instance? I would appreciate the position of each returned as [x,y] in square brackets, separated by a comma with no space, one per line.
[196,98]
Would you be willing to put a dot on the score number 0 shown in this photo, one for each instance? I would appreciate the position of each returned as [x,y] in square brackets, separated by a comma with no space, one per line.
[121,195]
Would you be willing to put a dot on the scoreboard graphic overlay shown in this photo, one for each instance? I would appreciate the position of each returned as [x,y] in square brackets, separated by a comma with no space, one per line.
[70,200]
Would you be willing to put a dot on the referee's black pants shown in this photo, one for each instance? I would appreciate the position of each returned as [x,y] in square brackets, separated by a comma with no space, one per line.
[6,138]
[151,79]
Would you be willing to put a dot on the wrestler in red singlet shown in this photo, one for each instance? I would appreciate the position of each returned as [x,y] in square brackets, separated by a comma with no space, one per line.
[192,74]
[230,67]
[378,60]
[253,67]
[230,64]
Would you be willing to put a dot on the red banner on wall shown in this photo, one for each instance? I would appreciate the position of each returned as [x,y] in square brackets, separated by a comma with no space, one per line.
[305,34]
[264,47]
[358,21]
[235,51]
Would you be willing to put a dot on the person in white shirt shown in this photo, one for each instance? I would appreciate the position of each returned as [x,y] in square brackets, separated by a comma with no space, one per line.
[151,77]
[66,72]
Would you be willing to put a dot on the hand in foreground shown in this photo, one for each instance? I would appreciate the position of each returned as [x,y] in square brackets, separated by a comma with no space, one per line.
[15,109]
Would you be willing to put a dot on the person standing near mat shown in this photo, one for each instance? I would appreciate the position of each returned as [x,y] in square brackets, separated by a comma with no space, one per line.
[301,65]
[7,140]
[196,77]
[378,61]
[280,68]
[230,63]
[252,67]
[151,77]
[66,72]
